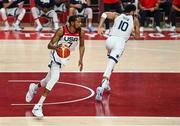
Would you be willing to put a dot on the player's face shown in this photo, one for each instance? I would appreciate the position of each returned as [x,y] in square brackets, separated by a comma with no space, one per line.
[77,23]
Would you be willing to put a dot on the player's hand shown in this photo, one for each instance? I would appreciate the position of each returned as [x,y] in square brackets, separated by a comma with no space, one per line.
[80,64]
[100,31]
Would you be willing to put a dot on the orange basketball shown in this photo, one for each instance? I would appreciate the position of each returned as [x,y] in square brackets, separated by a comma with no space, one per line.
[63,51]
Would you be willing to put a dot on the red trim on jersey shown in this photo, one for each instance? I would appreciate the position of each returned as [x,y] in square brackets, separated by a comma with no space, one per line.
[67,32]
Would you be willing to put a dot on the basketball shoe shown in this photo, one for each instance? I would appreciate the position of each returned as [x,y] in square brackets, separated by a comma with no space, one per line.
[31,92]
[16,27]
[37,111]
[6,28]
[39,28]
[99,93]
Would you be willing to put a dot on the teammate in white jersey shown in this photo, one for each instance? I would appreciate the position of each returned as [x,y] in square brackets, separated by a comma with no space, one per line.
[124,25]
[69,35]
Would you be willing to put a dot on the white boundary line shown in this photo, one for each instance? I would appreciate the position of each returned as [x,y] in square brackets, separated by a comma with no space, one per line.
[55,103]
[121,72]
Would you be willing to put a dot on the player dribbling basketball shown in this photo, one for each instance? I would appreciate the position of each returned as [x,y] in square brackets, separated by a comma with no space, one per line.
[68,35]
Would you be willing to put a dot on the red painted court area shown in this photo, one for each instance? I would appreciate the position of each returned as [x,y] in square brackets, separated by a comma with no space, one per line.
[132,94]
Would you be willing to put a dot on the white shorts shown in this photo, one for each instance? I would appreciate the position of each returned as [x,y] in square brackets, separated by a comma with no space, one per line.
[60,61]
[13,11]
[115,46]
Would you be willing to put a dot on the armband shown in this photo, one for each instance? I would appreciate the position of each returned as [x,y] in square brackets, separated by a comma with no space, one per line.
[104,15]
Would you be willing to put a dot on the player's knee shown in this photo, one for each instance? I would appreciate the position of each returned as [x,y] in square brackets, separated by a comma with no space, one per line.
[89,10]
[33,10]
[52,82]
[23,10]
[116,54]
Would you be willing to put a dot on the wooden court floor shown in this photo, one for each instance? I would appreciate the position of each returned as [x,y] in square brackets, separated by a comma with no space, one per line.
[143,56]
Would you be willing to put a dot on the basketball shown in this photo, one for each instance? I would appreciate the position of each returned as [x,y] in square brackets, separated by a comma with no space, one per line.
[63,51]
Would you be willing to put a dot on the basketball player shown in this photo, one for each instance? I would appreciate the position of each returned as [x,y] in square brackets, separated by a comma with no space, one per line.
[68,35]
[122,28]
[44,7]
[13,8]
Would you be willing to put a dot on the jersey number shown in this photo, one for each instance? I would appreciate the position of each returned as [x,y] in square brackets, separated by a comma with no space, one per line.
[123,26]
[70,43]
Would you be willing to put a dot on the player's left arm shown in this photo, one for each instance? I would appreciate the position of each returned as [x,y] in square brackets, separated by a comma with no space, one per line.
[109,15]
[81,49]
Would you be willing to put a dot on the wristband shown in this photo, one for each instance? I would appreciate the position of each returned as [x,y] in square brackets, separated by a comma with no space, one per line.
[104,15]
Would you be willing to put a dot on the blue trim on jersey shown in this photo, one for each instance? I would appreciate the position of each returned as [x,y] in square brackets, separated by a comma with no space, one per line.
[110,57]
[55,59]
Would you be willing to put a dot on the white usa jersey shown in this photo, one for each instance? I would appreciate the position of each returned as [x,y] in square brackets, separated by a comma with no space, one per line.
[123,26]
[69,39]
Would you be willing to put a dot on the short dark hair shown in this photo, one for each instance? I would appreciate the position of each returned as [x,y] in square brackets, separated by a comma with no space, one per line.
[72,18]
[130,7]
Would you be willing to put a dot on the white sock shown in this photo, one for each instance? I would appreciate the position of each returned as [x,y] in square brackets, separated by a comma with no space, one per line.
[41,100]
[104,83]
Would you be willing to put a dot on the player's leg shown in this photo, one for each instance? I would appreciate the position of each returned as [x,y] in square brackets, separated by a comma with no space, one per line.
[34,87]
[55,68]
[36,14]
[89,13]
[117,47]
[20,12]
[52,14]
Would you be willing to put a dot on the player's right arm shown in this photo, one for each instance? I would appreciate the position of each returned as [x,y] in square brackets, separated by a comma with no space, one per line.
[53,43]
[109,15]
[81,49]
